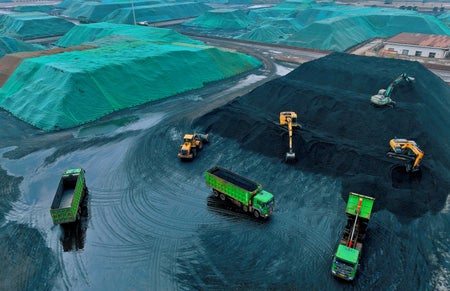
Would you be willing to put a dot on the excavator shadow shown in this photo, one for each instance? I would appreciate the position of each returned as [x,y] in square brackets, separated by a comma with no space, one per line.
[405,180]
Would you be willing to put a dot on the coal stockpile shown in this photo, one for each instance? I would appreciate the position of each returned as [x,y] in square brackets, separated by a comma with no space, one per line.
[150,221]
[344,135]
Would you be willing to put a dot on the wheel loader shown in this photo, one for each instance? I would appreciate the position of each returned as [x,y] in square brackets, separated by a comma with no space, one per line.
[192,144]
[406,150]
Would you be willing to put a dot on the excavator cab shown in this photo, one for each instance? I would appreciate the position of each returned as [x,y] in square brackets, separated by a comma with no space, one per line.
[289,118]
[383,97]
[406,150]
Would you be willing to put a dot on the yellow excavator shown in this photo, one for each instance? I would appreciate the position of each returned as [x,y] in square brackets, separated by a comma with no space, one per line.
[289,119]
[383,98]
[406,150]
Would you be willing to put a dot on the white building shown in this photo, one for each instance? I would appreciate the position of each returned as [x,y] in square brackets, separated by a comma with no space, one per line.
[419,45]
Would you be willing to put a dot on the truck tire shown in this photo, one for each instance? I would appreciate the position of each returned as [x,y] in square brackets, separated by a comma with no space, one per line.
[194,152]
[222,196]
[200,146]
[256,214]
[215,193]
[245,208]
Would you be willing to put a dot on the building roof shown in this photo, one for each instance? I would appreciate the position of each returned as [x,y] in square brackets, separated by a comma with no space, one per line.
[419,39]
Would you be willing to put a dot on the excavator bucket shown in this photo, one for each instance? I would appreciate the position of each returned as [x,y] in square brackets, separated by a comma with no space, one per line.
[290,157]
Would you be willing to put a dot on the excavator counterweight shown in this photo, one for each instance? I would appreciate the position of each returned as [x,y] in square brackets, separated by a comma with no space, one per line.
[406,150]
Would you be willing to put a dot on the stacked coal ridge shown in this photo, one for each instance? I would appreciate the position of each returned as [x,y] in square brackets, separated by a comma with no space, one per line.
[344,135]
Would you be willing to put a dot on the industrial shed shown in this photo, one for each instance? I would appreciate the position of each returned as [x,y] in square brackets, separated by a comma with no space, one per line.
[419,45]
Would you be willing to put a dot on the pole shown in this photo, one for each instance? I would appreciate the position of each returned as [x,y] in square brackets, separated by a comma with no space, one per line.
[350,243]
[134,15]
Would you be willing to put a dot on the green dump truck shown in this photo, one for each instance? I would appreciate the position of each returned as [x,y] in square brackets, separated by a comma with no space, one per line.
[71,190]
[348,253]
[246,194]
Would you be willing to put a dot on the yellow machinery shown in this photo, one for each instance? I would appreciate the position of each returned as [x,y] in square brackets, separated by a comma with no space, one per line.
[289,119]
[192,144]
[408,151]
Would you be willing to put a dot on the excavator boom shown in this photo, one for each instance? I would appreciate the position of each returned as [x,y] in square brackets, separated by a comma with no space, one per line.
[384,96]
[408,151]
[289,118]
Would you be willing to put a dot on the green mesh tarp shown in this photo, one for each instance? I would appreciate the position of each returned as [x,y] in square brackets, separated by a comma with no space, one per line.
[324,26]
[97,31]
[72,88]
[445,18]
[10,45]
[97,11]
[157,12]
[31,8]
[32,25]
[343,32]
[222,19]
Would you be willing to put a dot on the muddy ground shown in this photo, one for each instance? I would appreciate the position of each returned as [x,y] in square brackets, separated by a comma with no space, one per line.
[149,221]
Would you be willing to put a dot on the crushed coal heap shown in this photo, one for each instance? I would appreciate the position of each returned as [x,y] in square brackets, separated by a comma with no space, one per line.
[343,135]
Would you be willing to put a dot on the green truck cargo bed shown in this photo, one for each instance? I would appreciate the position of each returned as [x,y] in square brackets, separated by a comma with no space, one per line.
[66,203]
[366,205]
[232,184]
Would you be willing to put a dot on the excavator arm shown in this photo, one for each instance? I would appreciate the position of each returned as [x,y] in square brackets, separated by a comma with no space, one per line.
[384,96]
[408,151]
[289,118]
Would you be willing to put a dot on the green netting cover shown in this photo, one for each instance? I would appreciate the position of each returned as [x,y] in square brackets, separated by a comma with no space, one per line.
[342,32]
[222,19]
[97,11]
[445,18]
[31,8]
[31,25]
[10,45]
[72,88]
[158,12]
[324,25]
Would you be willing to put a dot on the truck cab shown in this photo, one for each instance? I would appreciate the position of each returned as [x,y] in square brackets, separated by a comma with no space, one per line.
[345,262]
[263,201]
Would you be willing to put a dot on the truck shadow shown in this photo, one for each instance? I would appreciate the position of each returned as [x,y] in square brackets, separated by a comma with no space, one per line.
[73,234]
[230,210]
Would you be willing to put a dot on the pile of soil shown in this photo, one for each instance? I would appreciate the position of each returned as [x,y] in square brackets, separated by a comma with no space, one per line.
[344,135]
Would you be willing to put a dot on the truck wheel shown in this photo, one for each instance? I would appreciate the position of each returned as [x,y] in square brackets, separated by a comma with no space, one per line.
[256,213]
[194,153]
[216,193]
[200,145]
[222,196]
[245,208]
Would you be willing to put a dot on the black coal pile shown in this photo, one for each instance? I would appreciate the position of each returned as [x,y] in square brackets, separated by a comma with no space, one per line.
[344,135]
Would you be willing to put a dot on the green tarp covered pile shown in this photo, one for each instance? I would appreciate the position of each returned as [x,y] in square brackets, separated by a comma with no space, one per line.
[324,26]
[32,25]
[10,45]
[125,12]
[98,11]
[131,65]
[222,19]
[157,12]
